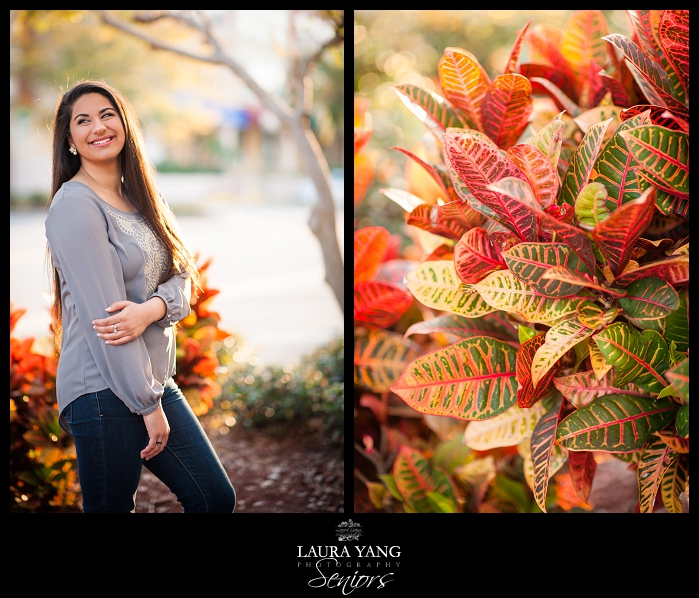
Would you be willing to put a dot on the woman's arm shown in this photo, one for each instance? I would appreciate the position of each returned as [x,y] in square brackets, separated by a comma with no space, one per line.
[76,230]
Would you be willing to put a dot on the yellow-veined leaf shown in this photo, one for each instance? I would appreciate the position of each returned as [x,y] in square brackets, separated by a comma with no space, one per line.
[674,483]
[508,429]
[531,261]
[464,83]
[657,457]
[578,278]
[542,443]
[471,379]
[380,357]
[560,338]
[615,423]
[431,109]
[590,205]
[582,388]
[679,378]
[503,290]
[549,139]
[414,478]
[559,457]
[597,360]
[638,357]
[436,285]
[649,299]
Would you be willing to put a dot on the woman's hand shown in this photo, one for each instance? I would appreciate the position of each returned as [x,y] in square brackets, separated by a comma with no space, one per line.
[158,433]
[130,322]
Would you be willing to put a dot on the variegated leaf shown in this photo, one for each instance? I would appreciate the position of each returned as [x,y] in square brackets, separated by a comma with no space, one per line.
[530,261]
[428,218]
[492,324]
[476,476]
[370,244]
[647,66]
[590,117]
[559,457]
[676,443]
[435,112]
[464,83]
[615,423]
[584,387]
[414,478]
[617,235]
[679,378]
[379,304]
[569,276]
[677,324]
[542,444]
[506,108]
[656,459]
[461,213]
[597,360]
[471,379]
[590,205]
[582,41]
[549,139]
[478,164]
[535,166]
[380,357]
[503,290]
[641,357]
[582,467]
[649,299]
[663,154]
[436,284]
[560,338]
[673,34]
[507,429]
[592,315]
[615,166]
[578,173]
[526,394]
[572,236]
[659,115]
[674,483]
[476,255]
[673,269]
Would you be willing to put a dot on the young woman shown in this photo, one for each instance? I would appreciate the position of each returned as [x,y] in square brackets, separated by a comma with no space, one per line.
[122,279]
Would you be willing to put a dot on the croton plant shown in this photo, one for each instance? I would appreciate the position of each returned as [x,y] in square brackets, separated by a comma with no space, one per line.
[552,292]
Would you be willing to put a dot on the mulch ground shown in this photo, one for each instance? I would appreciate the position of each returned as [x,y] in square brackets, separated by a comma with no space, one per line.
[278,468]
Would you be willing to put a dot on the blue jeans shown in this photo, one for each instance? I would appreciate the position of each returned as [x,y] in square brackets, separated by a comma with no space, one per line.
[108,441]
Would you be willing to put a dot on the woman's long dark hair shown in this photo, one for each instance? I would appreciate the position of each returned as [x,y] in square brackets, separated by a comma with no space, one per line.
[138,176]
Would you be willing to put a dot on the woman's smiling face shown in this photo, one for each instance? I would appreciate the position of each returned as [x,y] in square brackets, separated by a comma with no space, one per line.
[96,129]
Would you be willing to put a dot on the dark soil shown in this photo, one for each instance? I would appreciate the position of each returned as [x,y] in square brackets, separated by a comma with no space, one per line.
[278,468]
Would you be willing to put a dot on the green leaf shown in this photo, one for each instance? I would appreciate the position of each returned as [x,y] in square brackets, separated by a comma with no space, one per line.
[549,139]
[677,324]
[682,421]
[649,299]
[590,205]
[530,261]
[525,333]
[679,378]
[440,503]
[471,379]
[390,482]
[615,423]
[674,482]
[415,478]
[663,154]
[638,357]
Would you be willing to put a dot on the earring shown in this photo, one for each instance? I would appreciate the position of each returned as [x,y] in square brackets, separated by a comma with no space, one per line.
[72,150]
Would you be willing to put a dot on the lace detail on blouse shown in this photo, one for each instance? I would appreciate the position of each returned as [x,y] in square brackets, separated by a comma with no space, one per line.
[156,261]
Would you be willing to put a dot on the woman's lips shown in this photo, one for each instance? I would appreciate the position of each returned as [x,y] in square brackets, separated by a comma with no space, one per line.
[102,142]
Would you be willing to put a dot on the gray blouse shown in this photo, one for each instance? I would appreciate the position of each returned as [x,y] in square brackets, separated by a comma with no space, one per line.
[103,255]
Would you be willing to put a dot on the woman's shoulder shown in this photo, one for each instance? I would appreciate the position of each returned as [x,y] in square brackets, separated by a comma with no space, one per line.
[76,201]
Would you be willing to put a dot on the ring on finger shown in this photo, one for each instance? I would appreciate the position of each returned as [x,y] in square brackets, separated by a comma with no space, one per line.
[115,328]
[158,443]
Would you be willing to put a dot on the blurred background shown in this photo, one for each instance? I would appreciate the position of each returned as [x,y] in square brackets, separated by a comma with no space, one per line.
[404,46]
[231,172]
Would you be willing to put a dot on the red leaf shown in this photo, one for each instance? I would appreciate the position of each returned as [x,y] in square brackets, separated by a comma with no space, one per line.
[476,255]
[527,395]
[582,466]
[379,304]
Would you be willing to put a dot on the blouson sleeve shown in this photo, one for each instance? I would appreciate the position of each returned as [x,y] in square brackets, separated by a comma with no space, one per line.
[77,233]
[175,292]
